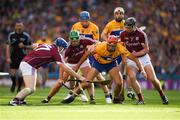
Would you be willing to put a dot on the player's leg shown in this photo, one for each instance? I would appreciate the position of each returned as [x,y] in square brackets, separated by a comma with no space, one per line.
[19,75]
[122,69]
[131,71]
[56,88]
[117,77]
[30,87]
[111,86]
[84,69]
[30,77]
[156,83]
[90,76]
[13,79]
[105,89]
[90,89]
[130,92]
[20,80]
[44,75]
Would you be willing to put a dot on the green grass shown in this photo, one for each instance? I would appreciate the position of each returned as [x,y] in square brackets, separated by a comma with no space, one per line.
[152,110]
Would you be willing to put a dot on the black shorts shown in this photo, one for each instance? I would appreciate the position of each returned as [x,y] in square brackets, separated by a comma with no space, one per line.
[15,63]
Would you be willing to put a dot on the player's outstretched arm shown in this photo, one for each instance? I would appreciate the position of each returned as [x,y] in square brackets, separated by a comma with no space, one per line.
[70,71]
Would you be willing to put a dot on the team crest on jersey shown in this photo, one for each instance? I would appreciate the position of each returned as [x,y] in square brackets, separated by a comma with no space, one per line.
[131,38]
[137,38]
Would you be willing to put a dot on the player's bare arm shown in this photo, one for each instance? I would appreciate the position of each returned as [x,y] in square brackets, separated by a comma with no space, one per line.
[103,37]
[70,71]
[142,52]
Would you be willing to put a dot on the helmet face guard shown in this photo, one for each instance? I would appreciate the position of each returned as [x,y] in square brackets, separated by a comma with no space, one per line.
[74,35]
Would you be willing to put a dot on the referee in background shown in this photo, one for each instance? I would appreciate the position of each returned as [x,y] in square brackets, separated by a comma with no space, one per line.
[16,49]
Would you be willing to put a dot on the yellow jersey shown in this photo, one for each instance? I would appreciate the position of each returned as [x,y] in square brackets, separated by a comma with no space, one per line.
[44,40]
[92,31]
[114,28]
[104,57]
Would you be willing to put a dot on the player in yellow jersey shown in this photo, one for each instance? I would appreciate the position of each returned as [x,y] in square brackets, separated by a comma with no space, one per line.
[104,57]
[86,28]
[44,40]
[115,27]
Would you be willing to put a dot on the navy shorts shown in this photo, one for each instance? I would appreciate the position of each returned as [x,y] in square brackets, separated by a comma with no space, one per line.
[119,59]
[103,67]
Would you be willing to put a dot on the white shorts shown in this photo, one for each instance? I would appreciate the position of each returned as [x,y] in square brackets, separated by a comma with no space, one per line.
[27,69]
[145,60]
[84,64]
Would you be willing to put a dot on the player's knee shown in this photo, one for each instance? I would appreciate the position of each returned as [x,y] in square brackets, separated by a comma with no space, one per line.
[32,90]
[29,90]
[59,83]
[131,77]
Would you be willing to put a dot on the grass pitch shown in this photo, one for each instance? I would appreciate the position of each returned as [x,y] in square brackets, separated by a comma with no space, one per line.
[35,110]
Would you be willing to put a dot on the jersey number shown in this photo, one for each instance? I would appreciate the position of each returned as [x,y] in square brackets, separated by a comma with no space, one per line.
[44,47]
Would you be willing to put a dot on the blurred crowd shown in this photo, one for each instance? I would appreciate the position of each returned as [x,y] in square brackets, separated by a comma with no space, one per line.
[55,18]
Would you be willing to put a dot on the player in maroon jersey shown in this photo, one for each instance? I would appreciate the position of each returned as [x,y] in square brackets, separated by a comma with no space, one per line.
[72,56]
[136,42]
[42,55]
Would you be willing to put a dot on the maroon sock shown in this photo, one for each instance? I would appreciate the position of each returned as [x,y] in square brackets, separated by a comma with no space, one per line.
[140,97]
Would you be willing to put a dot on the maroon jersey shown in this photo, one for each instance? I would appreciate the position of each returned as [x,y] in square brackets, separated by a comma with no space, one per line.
[74,53]
[133,41]
[42,55]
